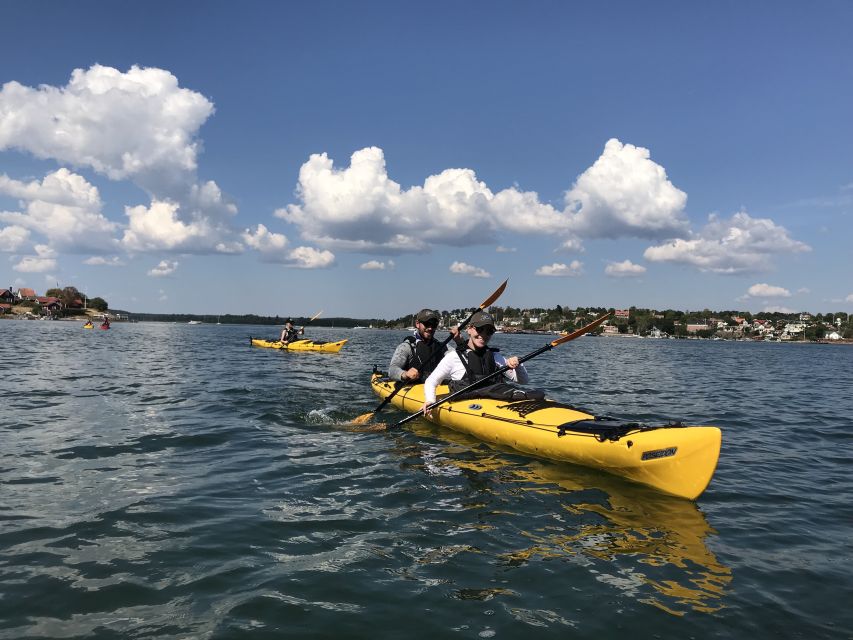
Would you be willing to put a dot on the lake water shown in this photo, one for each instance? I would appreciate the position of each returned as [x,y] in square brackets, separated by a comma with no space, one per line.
[170,481]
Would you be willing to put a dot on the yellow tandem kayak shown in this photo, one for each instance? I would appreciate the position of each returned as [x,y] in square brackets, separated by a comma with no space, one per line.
[676,459]
[300,345]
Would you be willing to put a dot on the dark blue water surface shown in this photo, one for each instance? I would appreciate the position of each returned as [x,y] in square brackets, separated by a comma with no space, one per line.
[170,481]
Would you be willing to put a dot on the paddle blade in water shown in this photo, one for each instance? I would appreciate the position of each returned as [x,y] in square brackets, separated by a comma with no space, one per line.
[364,418]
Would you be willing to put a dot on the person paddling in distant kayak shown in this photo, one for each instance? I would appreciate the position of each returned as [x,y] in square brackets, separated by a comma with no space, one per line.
[290,333]
[475,360]
[105,323]
[416,357]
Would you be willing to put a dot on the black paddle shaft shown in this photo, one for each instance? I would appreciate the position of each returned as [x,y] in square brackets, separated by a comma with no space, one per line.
[474,385]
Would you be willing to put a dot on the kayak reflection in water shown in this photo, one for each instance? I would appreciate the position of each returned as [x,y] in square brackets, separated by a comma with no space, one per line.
[474,361]
[290,333]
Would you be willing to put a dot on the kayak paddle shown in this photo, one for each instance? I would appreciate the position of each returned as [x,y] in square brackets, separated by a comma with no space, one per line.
[574,334]
[486,303]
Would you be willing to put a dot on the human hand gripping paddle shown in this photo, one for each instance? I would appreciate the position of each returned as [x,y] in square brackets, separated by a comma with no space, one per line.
[574,334]
[364,417]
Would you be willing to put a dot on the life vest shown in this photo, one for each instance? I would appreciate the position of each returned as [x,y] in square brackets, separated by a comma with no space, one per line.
[477,365]
[425,357]
[291,335]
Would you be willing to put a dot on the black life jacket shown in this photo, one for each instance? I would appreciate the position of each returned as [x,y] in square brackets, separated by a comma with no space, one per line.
[477,365]
[291,335]
[425,357]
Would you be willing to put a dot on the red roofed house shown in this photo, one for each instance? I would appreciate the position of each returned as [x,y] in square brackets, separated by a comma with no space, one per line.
[5,307]
[49,303]
[26,294]
[7,297]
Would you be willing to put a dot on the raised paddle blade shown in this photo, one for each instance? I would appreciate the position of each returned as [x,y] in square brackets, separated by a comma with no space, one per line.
[583,330]
[316,315]
[497,294]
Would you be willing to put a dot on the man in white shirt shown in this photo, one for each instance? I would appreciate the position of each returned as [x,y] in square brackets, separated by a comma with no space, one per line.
[474,361]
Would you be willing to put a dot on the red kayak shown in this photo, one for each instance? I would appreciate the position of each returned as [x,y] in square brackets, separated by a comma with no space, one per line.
[105,326]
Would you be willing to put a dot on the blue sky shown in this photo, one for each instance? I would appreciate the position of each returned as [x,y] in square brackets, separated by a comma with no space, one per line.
[370,159]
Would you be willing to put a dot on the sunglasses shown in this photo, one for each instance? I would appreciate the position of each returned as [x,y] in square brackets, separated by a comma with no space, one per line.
[485,331]
[430,324]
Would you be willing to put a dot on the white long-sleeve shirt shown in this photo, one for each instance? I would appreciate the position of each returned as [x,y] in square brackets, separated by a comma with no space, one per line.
[451,368]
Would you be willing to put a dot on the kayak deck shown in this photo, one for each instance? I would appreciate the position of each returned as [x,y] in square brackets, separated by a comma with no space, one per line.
[676,459]
[300,345]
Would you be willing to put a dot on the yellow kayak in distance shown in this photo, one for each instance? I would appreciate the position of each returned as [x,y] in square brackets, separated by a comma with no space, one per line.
[88,325]
[675,459]
[300,345]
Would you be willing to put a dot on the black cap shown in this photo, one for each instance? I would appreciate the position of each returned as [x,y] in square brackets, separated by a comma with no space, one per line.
[425,315]
[482,319]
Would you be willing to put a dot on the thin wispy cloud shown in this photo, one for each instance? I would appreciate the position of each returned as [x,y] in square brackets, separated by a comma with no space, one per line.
[164,268]
[376,265]
[112,261]
[561,270]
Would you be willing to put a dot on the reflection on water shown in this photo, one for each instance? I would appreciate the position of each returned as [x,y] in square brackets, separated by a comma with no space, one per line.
[650,546]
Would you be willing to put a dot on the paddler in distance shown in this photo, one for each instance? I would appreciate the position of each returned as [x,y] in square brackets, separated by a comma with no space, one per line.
[290,333]
[416,357]
[475,360]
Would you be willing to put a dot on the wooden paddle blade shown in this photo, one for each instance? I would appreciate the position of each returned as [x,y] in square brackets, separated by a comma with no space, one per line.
[316,315]
[579,332]
[364,418]
[497,294]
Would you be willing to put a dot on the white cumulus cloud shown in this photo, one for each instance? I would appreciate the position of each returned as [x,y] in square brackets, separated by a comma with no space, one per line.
[558,269]
[763,290]
[464,269]
[624,269]
[119,124]
[138,125]
[64,208]
[849,298]
[271,245]
[310,258]
[43,261]
[160,228]
[13,237]
[164,268]
[741,244]
[360,208]
[376,265]
[625,193]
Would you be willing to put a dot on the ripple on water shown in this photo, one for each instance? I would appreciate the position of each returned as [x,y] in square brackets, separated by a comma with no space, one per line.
[170,481]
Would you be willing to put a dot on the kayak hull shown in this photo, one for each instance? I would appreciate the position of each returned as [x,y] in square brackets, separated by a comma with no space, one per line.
[300,345]
[675,459]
